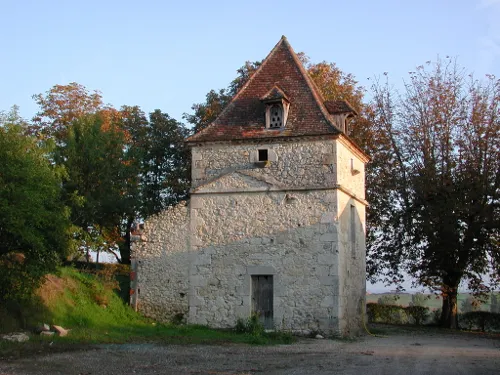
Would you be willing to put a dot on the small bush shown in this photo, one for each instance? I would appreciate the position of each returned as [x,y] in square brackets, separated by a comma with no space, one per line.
[436,316]
[257,334]
[482,320]
[382,313]
[251,326]
[178,319]
[417,314]
[388,300]
[419,299]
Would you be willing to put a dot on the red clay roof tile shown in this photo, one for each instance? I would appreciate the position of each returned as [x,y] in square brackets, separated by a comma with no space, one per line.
[244,117]
[339,106]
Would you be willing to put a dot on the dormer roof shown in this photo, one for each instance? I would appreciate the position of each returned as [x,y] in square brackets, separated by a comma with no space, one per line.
[335,107]
[274,95]
[280,76]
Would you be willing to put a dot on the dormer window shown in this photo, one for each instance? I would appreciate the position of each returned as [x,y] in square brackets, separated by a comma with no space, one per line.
[276,120]
[277,106]
[340,111]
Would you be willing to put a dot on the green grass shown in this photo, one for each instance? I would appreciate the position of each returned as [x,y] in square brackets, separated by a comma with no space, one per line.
[95,314]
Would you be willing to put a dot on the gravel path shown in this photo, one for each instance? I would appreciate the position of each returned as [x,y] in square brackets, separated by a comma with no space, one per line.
[400,353]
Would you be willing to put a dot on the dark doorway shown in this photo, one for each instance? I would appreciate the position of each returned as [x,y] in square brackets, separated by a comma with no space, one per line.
[262,299]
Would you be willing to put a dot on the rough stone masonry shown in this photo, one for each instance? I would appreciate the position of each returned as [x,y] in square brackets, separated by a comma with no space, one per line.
[276,218]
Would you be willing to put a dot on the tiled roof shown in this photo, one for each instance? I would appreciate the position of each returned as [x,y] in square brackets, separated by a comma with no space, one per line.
[244,117]
[274,94]
[339,106]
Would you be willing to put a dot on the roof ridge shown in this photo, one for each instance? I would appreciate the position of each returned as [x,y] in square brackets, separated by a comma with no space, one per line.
[233,99]
[281,71]
[318,97]
[252,77]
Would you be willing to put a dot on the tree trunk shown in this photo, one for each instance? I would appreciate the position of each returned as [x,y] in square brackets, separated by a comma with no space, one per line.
[449,312]
[125,248]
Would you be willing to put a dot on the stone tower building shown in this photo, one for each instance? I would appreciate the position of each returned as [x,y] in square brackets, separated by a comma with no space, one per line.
[275,224]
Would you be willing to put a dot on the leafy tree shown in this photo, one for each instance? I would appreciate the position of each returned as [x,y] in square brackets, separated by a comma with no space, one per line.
[60,106]
[96,179]
[216,101]
[34,225]
[470,304]
[120,165]
[495,305]
[388,299]
[158,166]
[418,299]
[442,223]
[134,124]
[166,164]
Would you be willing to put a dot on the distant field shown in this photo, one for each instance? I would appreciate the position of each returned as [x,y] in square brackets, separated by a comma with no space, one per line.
[433,302]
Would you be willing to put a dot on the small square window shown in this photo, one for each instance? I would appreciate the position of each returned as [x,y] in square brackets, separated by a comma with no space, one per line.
[263,156]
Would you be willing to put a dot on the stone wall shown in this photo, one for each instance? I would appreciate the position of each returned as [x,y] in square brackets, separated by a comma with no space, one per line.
[293,163]
[351,241]
[352,266]
[350,170]
[162,260]
[288,236]
[289,220]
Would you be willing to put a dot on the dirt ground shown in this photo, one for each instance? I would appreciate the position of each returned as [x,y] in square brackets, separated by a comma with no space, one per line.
[400,352]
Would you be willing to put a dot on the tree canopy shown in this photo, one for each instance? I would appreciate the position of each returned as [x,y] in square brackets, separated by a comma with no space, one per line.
[120,166]
[34,223]
[441,223]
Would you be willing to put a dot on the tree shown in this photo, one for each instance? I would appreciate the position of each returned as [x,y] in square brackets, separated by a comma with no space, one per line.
[96,179]
[60,106]
[166,166]
[159,166]
[216,101]
[120,166]
[418,299]
[470,304]
[442,223]
[495,305]
[34,224]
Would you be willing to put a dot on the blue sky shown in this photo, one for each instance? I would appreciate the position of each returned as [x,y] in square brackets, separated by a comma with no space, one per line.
[169,54]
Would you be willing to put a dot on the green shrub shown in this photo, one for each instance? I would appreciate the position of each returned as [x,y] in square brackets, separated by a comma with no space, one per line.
[482,320]
[470,304]
[382,313]
[388,299]
[254,329]
[251,326]
[419,299]
[417,314]
[436,316]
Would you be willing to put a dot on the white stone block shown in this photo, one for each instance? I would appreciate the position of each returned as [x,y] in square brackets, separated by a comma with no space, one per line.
[198,280]
[195,202]
[328,237]
[327,301]
[328,218]
[326,259]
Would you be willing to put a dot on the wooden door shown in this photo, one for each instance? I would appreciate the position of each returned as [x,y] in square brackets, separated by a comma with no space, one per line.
[262,299]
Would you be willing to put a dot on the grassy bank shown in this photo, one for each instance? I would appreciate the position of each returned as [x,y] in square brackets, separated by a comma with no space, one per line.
[95,314]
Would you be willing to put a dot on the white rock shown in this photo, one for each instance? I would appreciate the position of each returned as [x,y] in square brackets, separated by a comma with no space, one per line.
[319,337]
[15,337]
